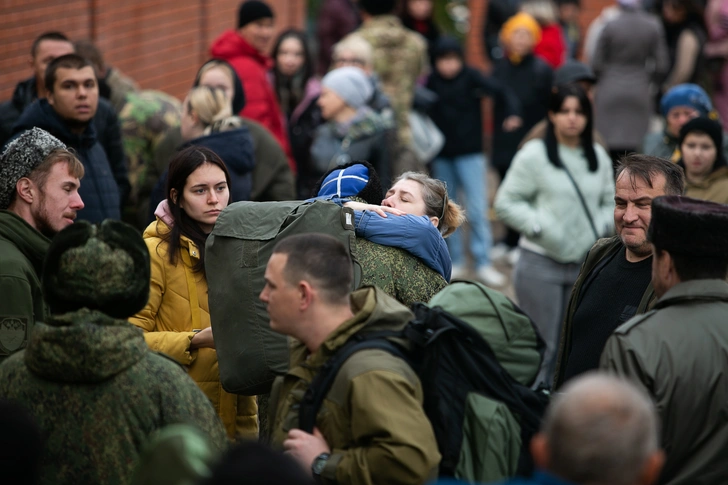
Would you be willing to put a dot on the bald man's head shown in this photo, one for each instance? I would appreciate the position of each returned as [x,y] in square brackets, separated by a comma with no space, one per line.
[600,430]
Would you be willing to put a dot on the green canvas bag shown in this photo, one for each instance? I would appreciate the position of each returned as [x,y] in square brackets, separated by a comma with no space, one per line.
[250,354]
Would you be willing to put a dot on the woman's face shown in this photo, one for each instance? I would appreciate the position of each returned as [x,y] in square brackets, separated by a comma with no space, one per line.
[290,57]
[521,42]
[205,195]
[677,117]
[673,13]
[216,77]
[570,120]
[420,9]
[406,195]
[698,154]
[330,103]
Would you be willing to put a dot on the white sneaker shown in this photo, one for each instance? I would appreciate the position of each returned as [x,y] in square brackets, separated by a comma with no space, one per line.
[459,271]
[513,256]
[491,276]
[499,251]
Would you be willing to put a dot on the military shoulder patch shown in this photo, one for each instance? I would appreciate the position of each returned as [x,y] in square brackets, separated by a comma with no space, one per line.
[13,334]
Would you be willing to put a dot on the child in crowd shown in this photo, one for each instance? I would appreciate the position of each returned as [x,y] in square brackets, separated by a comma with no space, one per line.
[461,163]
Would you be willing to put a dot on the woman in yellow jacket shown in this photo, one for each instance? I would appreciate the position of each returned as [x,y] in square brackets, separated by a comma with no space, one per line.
[176,320]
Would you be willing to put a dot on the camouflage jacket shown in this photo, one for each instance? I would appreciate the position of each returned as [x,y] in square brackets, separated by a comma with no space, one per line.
[400,57]
[97,392]
[397,272]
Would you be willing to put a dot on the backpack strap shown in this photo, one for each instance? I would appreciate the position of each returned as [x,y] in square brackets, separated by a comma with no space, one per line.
[322,382]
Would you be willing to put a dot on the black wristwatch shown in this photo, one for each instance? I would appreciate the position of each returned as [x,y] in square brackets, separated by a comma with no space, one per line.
[318,465]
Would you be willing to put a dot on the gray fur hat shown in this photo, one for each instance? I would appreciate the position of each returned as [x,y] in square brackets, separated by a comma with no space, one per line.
[21,157]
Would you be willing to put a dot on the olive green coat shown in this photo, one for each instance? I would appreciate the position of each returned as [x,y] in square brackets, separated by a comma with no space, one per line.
[372,418]
[602,249]
[677,354]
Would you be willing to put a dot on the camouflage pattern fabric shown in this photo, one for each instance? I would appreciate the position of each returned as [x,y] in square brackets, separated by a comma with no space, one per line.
[400,57]
[145,119]
[97,393]
[396,272]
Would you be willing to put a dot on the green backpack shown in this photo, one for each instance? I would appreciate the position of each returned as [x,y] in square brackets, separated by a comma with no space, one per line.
[250,355]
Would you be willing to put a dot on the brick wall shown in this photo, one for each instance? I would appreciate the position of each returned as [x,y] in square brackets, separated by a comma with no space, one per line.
[159,43]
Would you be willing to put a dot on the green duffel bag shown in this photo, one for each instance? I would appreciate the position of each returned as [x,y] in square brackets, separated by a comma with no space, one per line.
[250,355]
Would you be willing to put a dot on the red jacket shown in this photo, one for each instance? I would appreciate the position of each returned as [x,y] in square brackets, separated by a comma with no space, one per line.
[252,67]
[552,47]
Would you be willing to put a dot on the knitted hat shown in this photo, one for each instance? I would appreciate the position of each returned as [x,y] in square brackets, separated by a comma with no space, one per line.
[690,95]
[377,7]
[21,157]
[447,45]
[682,225]
[521,21]
[711,128]
[253,10]
[104,267]
[351,84]
[353,179]
[573,72]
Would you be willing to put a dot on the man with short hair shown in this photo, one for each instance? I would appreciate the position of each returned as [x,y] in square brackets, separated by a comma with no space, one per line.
[45,49]
[39,181]
[246,50]
[614,282]
[677,352]
[601,430]
[400,58]
[371,427]
[67,113]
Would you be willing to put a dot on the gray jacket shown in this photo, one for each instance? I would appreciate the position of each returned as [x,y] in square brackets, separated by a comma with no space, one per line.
[677,354]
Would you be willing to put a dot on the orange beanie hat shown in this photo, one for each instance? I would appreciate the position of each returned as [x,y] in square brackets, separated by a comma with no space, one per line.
[521,21]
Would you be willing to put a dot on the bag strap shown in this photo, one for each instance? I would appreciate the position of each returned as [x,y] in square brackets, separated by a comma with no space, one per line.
[581,199]
[322,382]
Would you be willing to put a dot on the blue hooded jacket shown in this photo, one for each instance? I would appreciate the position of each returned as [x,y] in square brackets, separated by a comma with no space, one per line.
[414,234]
[99,189]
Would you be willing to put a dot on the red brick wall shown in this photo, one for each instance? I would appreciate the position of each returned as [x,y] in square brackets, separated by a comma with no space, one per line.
[159,43]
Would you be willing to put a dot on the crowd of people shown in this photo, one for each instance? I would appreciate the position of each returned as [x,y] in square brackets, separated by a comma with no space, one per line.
[611,158]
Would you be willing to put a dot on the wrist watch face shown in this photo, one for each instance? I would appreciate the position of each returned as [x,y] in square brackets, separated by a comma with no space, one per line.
[320,463]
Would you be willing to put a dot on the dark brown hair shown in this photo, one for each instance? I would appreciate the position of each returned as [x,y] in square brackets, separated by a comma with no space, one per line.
[646,168]
[320,259]
[57,36]
[69,61]
[180,168]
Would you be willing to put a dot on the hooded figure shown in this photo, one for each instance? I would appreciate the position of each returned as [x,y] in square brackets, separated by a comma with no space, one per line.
[88,378]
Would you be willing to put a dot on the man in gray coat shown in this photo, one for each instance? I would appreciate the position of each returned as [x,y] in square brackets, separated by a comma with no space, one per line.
[677,352]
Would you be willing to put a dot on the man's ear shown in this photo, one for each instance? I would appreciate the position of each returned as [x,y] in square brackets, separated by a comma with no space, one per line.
[540,451]
[652,468]
[306,292]
[26,190]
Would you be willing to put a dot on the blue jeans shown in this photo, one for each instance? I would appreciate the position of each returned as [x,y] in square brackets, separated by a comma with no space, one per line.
[467,172]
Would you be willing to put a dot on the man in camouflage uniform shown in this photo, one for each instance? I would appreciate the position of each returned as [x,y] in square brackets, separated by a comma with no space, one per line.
[88,378]
[400,58]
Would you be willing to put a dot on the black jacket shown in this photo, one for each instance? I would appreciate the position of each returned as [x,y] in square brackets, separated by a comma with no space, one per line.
[457,112]
[531,81]
[99,190]
[108,129]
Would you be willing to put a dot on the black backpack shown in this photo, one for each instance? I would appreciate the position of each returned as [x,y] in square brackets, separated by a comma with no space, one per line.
[453,361]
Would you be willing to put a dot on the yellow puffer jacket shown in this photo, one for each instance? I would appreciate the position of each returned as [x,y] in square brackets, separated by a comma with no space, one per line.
[177,306]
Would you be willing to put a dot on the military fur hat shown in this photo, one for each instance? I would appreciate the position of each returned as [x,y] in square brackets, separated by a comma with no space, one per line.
[682,225]
[21,157]
[104,267]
